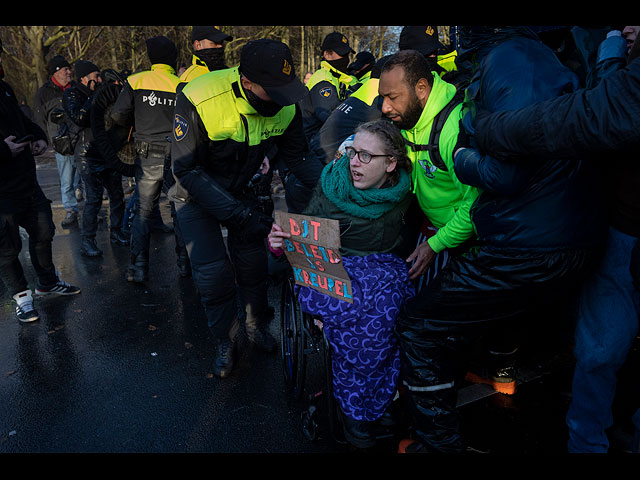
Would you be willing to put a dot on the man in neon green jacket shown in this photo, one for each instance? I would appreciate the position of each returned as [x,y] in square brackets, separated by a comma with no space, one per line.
[413,96]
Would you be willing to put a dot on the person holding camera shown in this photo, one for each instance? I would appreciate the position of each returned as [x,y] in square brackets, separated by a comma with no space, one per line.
[96,176]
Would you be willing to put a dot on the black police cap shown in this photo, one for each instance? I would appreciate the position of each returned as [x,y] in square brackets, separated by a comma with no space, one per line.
[269,64]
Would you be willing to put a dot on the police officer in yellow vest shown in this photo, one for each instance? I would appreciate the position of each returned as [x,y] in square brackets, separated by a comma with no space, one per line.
[361,68]
[362,106]
[224,123]
[208,46]
[425,40]
[147,101]
[328,86]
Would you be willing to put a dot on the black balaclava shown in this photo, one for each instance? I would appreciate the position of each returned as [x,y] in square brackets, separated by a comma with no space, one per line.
[212,57]
[265,108]
[341,64]
[162,50]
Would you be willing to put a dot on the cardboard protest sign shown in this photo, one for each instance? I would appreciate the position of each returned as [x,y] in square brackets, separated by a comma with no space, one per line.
[314,253]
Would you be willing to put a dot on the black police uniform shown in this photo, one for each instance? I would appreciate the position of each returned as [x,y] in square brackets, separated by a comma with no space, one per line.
[220,139]
[147,100]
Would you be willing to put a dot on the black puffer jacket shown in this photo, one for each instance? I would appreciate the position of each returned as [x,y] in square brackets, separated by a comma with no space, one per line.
[601,125]
[541,203]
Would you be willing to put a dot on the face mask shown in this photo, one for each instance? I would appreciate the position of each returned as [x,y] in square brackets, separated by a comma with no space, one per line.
[213,57]
[263,107]
[340,64]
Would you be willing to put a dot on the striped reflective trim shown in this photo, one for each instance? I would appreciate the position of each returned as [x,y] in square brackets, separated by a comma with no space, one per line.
[430,388]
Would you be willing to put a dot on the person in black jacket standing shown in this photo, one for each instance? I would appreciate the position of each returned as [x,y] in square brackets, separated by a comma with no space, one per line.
[77,104]
[23,204]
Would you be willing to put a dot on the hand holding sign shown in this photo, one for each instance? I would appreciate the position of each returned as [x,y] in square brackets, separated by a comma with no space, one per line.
[312,246]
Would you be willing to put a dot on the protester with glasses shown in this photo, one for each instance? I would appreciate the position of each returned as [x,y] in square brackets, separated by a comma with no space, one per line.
[368,191]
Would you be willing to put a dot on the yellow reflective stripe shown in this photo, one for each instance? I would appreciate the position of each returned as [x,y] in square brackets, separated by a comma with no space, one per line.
[158,78]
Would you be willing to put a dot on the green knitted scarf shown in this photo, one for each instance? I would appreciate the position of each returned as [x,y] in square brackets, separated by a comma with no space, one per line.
[371,203]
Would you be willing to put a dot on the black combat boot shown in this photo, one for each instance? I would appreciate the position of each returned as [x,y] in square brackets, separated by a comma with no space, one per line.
[116,236]
[89,247]
[184,266]
[138,270]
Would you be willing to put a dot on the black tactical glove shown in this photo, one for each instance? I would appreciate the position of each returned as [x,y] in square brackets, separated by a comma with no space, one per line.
[252,223]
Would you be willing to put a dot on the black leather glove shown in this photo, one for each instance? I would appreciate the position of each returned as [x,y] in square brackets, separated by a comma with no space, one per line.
[253,223]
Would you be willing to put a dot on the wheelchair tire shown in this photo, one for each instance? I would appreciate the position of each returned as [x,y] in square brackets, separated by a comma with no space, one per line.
[292,341]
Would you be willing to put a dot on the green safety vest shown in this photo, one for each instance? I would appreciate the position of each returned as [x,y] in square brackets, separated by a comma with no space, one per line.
[368,92]
[226,113]
[197,68]
[448,61]
[327,73]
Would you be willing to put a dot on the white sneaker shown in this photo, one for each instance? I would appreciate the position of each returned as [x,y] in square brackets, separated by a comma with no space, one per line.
[24,308]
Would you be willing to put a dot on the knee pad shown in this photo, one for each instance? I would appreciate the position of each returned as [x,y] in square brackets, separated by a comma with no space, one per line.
[215,281]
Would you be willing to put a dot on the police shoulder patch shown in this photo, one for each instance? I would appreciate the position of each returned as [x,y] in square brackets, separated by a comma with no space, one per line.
[180,127]
[325,92]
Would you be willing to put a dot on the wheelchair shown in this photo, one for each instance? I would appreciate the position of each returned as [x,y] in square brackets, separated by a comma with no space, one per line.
[307,370]
[303,345]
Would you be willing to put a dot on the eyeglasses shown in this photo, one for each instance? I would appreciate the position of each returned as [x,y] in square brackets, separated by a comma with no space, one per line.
[365,157]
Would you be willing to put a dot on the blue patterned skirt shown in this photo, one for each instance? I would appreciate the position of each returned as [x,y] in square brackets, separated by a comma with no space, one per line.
[364,351]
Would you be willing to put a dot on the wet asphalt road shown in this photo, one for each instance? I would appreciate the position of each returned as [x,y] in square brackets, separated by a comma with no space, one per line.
[124,368]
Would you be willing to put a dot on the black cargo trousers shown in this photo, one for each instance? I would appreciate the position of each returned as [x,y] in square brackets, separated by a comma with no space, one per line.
[479,293]
[227,282]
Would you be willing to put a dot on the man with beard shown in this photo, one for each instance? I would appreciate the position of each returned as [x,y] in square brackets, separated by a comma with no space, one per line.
[208,46]
[224,123]
[538,228]
[413,96]
[329,85]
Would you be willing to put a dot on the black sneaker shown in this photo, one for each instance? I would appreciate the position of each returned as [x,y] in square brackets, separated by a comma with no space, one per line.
[24,308]
[60,288]
[225,357]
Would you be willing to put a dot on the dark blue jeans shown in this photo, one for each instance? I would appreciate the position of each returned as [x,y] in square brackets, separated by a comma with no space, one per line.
[606,327]
[36,218]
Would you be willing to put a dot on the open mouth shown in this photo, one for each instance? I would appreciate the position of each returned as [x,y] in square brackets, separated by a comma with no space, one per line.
[355,175]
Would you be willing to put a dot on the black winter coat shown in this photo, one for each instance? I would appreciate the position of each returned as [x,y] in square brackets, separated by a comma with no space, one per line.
[601,124]
[543,202]
[18,179]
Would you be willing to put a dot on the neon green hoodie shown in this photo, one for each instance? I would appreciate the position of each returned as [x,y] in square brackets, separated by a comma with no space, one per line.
[443,199]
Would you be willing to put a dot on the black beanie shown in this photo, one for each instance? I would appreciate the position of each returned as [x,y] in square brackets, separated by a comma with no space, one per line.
[162,50]
[84,67]
[56,63]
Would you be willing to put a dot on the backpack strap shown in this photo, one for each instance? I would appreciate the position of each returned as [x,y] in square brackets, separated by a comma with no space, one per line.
[433,147]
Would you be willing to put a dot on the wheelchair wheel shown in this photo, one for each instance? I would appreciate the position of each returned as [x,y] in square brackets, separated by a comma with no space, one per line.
[292,340]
